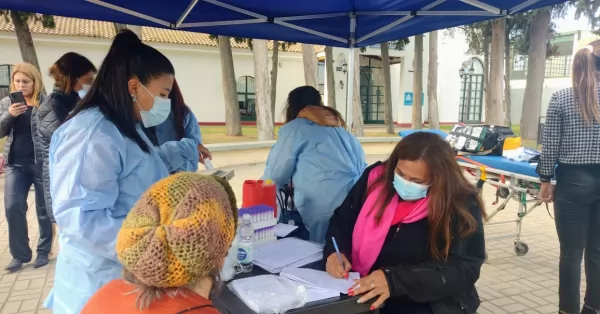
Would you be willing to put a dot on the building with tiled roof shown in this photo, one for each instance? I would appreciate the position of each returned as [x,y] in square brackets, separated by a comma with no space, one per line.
[98,29]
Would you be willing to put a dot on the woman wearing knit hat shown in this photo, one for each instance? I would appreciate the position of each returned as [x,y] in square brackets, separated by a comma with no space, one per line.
[172,246]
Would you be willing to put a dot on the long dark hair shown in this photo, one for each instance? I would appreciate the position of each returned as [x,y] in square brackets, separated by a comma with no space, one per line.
[127,57]
[68,68]
[450,193]
[178,109]
[299,99]
[586,65]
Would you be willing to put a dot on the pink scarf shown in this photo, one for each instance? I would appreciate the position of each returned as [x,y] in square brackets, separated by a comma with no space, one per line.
[368,237]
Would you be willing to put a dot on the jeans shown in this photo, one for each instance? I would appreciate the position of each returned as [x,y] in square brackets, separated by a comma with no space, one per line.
[577,215]
[19,179]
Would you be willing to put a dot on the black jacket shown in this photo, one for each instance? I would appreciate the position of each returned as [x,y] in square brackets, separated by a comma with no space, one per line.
[6,129]
[51,114]
[447,286]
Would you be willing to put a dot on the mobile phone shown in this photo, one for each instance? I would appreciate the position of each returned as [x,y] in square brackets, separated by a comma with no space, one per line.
[17,97]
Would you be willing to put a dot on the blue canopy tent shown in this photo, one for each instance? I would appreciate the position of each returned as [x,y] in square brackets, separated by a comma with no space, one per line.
[340,23]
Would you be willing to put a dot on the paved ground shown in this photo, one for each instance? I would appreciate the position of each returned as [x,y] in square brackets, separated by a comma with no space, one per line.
[508,284]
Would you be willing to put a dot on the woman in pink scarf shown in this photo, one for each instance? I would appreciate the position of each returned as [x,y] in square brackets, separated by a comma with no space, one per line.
[412,226]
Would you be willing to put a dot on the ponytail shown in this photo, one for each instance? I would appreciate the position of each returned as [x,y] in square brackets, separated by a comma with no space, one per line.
[585,81]
[127,58]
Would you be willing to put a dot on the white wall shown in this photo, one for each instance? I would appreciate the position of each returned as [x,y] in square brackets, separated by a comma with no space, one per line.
[198,68]
[452,53]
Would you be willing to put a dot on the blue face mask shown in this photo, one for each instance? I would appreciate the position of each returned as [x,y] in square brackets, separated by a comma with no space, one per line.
[409,191]
[158,114]
[83,90]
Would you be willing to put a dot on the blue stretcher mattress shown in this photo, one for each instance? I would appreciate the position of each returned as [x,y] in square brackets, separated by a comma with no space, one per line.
[405,133]
[505,164]
[497,162]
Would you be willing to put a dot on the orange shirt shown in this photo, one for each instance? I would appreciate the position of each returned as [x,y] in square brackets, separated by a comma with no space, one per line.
[116,297]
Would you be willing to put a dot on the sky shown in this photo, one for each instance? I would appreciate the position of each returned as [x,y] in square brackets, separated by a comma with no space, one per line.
[569,24]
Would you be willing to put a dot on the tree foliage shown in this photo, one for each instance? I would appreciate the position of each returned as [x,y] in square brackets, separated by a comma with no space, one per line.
[46,20]
[589,9]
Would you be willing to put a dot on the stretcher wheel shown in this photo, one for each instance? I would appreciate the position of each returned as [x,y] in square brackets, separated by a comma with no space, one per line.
[502,193]
[521,248]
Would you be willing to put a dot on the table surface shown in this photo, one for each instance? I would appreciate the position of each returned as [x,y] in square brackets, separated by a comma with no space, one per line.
[229,303]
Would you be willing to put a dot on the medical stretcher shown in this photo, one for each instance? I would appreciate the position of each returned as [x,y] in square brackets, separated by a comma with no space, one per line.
[513,180]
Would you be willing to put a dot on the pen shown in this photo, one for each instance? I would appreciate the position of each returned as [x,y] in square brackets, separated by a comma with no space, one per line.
[337,251]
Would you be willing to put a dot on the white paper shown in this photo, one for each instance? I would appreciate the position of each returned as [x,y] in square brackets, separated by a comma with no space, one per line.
[288,252]
[314,294]
[319,279]
[282,230]
[269,293]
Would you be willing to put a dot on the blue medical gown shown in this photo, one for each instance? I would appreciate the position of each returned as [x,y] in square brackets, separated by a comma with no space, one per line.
[96,176]
[323,163]
[179,155]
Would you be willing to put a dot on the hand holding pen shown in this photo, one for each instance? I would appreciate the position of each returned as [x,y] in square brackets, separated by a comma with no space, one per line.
[337,264]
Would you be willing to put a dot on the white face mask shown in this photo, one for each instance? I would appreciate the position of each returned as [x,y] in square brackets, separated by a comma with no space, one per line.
[84,89]
[161,108]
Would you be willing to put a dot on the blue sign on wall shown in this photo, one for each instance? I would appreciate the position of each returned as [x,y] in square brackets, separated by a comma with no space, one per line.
[409,98]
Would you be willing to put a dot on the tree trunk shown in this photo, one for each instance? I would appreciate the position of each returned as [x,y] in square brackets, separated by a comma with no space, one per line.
[536,72]
[136,30]
[274,69]
[310,65]
[330,72]
[432,82]
[507,70]
[387,88]
[417,109]
[486,77]
[496,113]
[119,27]
[264,120]
[233,123]
[28,53]
[357,122]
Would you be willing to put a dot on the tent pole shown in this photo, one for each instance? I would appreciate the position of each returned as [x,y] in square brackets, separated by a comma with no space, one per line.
[350,89]
[351,74]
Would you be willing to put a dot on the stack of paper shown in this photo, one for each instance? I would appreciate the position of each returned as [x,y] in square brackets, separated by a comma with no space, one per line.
[288,252]
[269,293]
[311,278]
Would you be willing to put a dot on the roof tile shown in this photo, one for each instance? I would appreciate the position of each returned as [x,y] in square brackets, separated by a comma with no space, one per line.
[98,29]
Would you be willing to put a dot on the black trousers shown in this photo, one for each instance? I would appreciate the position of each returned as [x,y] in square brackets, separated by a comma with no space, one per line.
[577,214]
[19,179]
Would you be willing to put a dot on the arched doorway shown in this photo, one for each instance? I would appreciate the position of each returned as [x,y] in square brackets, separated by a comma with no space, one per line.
[246,93]
[471,91]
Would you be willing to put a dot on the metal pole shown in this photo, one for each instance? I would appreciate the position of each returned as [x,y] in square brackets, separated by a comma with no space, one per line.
[350,78]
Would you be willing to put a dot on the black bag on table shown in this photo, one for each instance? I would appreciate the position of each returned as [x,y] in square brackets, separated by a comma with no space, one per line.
[479,139]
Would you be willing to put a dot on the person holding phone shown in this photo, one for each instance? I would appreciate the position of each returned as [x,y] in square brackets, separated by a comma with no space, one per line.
[24,166]
[73,75]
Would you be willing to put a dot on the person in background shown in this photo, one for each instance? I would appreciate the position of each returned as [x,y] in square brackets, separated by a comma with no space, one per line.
[318,155]
[24,168]
[73,75]
[412,226]
[172,265]
[571,148]
[179,137]
[101,162]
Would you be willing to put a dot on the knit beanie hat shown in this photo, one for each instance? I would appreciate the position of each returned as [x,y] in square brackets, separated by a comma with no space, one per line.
[179,231]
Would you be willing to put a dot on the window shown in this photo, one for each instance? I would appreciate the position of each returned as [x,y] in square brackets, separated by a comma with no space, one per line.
[246,93]
[321,76]
[5,77]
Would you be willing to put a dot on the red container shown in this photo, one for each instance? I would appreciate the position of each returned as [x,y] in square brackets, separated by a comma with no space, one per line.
[256,192]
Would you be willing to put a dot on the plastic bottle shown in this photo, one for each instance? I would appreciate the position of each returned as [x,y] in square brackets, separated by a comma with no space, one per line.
[245,244]
[208,164]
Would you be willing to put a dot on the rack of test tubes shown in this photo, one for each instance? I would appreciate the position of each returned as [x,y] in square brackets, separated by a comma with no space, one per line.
[263,222]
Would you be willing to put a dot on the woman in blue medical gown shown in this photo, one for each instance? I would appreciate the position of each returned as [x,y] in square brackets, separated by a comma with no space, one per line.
[318,155]
[179,137]
[101,162]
